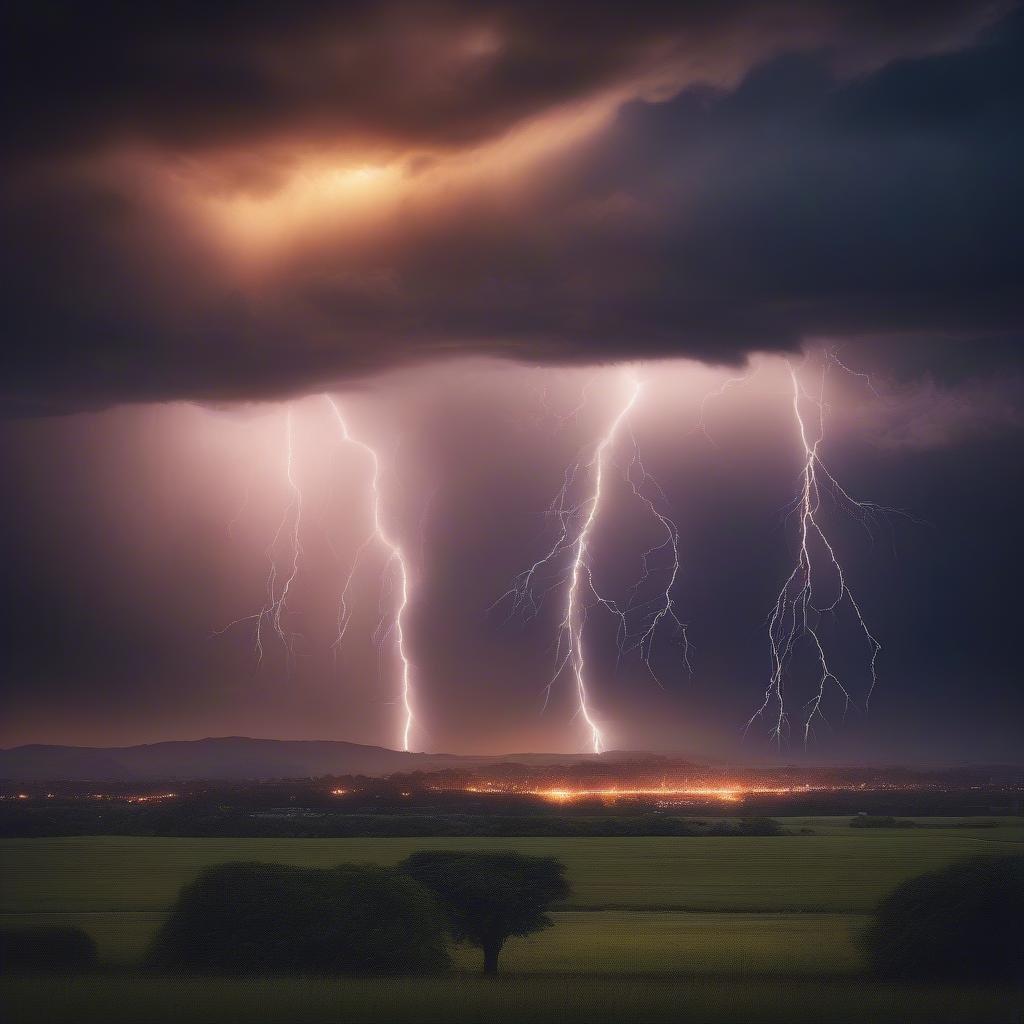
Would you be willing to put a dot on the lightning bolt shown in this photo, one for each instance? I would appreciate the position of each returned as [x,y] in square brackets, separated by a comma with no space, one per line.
[798,609]
[386,628]
[275,604]
[576,523]
[561,420]
[727,385]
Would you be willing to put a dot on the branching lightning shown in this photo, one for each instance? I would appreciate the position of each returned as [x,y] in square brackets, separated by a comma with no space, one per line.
[799,608]
[815,590]
[568,563]
[275,605]
[726,385]
[389,625]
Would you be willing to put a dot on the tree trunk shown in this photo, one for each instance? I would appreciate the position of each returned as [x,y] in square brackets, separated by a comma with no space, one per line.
[491,951]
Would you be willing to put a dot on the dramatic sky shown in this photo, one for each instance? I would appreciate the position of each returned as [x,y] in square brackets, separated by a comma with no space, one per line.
[476,225]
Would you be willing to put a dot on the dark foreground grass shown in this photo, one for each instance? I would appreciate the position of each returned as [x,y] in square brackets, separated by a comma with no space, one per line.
[573,1000]
[590,942]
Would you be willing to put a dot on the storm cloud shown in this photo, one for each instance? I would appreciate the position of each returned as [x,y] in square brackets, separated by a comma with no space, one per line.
[547,183]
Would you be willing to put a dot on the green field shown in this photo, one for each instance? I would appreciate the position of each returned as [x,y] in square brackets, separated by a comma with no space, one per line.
[845,870]
[605,942]
[662,928]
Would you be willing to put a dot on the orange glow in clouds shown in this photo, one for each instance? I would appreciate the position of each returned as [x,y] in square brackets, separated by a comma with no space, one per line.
[348,195]
[316,195]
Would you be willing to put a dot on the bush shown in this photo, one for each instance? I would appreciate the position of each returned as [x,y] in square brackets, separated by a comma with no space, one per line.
[46,949]
[274,918]
[963,923]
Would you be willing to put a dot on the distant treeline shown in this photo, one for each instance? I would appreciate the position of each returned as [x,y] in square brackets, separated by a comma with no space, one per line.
[108,818]
[886,821]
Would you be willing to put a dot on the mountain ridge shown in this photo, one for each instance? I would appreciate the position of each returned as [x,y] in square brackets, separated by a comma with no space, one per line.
[246,757]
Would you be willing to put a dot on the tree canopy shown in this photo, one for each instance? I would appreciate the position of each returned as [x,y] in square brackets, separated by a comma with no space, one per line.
[490,896]
[963,922]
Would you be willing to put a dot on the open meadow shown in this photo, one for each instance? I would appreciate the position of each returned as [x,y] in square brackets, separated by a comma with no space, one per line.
[723,928]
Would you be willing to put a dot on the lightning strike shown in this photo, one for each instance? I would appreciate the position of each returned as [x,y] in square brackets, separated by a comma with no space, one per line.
[576,522]
[727,385]
[799,609]
[386,628]
[574,619]
[275,605]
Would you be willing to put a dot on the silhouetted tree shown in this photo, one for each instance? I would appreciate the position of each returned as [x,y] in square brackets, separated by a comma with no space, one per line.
[490,896]
[353,918]
[964,923]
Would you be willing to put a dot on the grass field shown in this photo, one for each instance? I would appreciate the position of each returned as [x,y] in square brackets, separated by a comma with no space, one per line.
[508,1000]
[836,872]
[711,929]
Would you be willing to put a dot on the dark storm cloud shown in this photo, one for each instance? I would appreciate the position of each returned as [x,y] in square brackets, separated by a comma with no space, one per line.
[890,204]
[826,170]
[208,74]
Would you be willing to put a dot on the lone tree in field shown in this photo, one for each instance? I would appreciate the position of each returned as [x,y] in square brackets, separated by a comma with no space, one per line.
[489,897]
[963,922]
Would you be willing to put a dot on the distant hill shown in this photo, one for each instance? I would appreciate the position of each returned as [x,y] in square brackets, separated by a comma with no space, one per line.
[240,757]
